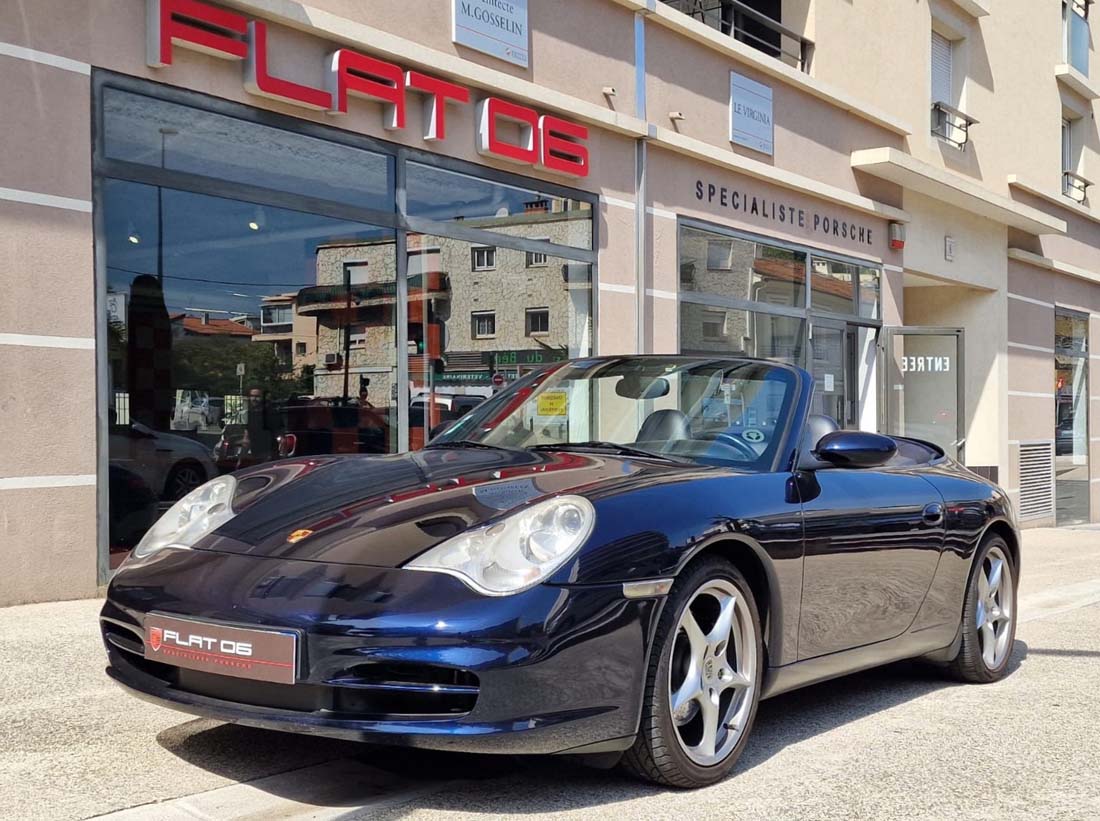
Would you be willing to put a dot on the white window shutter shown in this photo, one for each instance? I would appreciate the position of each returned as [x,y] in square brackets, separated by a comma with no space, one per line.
[941,69]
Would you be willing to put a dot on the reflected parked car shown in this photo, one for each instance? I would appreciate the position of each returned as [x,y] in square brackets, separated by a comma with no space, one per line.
[132,507]
[170,464]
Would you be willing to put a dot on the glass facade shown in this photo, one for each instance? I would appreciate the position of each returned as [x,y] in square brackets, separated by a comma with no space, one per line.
[1071,433]
[267,295]
[744,296]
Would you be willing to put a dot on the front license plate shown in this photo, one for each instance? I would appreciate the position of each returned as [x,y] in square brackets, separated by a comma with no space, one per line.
[261,655]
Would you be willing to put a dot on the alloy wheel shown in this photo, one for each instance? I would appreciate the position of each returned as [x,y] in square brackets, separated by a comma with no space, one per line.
[712,675]
[994,611]
[184,479]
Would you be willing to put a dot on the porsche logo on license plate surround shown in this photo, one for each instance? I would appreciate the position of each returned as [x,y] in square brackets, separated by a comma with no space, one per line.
[242,652]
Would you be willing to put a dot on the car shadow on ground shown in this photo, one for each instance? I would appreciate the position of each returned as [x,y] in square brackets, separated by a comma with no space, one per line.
[427,776]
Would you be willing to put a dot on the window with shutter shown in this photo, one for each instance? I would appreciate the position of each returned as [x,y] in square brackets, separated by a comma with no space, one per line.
[942,52]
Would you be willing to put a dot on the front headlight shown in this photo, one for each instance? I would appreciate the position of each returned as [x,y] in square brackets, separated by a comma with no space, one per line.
[516,553]
[201,511]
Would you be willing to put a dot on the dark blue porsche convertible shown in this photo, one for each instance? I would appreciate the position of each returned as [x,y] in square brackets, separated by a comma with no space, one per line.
[614,557]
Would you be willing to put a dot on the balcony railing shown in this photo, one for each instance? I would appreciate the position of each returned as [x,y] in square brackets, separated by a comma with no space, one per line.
[1075,186]
[751,27]
[951,125]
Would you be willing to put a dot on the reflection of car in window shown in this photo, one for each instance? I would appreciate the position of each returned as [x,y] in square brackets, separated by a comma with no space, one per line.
[685,522]
[170,464]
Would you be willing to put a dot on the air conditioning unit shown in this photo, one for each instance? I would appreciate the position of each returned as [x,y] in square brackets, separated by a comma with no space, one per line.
[332,360]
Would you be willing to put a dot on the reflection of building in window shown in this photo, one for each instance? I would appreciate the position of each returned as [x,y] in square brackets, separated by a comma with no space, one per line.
[484,258]
[536,259]
[719,255]
[292,335]
[538,321]
[484,324]
[448,352]
[714,324]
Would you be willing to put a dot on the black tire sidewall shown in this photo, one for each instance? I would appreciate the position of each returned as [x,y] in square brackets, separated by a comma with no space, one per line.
[971,638]
[679,597]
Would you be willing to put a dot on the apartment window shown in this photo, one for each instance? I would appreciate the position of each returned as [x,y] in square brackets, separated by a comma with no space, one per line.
[948,122]
[277,315]
[719,255]
[299,348]
[484,324]
[538,321]
[1075,34]
[537,259]
[483,257]
[714,325]
[943,59]
[357,335]
[1074,185]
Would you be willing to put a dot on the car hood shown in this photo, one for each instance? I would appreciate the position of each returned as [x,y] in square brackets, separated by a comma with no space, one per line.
[383,511]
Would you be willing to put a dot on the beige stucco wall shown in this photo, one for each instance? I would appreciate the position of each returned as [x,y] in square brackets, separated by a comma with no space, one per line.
[870,57]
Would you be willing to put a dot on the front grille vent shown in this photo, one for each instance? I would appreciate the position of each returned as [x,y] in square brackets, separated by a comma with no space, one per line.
[1036,479]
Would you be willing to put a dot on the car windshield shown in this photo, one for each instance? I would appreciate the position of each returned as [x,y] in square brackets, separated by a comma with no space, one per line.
[708,411]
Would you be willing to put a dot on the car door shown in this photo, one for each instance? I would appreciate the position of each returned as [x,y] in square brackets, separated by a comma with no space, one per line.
[872,542]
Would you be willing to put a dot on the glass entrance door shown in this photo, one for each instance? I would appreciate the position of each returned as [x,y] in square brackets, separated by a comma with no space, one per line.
[834,369]
[924,386]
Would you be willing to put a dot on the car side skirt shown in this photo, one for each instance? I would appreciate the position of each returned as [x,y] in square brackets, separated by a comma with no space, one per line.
[778,680]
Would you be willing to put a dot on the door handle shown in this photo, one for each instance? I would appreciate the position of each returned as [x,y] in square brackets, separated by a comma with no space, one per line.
[933,514]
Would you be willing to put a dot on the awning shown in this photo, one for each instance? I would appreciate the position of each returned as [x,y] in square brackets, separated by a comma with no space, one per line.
[923,178]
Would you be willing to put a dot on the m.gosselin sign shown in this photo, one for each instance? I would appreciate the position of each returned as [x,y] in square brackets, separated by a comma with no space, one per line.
[527,138]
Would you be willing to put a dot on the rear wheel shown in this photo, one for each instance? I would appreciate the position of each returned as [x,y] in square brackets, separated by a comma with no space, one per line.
[704,679]
[989,617]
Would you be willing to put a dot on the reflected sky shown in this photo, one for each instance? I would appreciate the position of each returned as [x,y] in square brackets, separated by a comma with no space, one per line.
[218,254]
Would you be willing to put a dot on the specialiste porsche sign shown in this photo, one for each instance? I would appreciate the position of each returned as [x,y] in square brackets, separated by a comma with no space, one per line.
[504,130]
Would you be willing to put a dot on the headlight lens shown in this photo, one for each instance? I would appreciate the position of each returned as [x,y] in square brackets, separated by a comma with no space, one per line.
[516,553]
[199,512]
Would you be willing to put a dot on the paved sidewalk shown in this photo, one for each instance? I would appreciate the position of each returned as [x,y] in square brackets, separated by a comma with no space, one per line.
[892,743]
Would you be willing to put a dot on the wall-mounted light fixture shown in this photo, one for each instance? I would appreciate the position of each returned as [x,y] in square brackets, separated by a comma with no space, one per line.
[676,116]
[609,91]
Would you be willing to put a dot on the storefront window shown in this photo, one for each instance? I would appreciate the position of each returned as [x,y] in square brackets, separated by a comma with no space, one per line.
[1071,434]
[706,329]
[468,325]
[448,196]
[743,296]
[218,347]
[741,269]
[254,291]
[153,132]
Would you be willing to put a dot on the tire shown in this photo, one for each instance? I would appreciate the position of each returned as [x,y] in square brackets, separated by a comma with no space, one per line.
[182,479]
[986,647]
[672,749]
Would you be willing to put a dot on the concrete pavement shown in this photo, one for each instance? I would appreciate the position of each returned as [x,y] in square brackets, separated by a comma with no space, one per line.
[897,742]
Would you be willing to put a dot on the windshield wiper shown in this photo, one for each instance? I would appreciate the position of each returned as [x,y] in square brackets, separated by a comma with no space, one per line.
[466,443]
[614,447]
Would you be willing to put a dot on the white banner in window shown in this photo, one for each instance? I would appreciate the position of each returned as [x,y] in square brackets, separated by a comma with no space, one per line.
[494,27]
[751,114]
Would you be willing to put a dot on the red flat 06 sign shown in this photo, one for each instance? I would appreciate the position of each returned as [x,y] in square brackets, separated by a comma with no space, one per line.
[242,652]
[505,130]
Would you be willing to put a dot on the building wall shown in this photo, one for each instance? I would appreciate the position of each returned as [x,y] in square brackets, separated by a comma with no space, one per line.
[867,88]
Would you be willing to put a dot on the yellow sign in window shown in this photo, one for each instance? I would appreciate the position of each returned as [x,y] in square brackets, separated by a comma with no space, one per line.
[553,403]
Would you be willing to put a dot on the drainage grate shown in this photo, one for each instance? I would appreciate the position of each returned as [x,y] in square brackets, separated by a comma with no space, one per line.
[1036,479]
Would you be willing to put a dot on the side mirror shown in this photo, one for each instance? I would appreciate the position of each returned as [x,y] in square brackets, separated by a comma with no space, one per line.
[855,449]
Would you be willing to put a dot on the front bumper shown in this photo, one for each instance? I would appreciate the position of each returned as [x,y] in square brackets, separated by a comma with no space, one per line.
[554,669]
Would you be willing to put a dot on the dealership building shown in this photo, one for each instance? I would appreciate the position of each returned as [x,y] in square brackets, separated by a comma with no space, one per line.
[370,216]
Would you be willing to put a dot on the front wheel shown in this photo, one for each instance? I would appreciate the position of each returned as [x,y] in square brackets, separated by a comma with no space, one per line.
[989,616]
[703,682]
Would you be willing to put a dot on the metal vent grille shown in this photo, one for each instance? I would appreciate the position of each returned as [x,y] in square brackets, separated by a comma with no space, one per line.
[1036,479]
